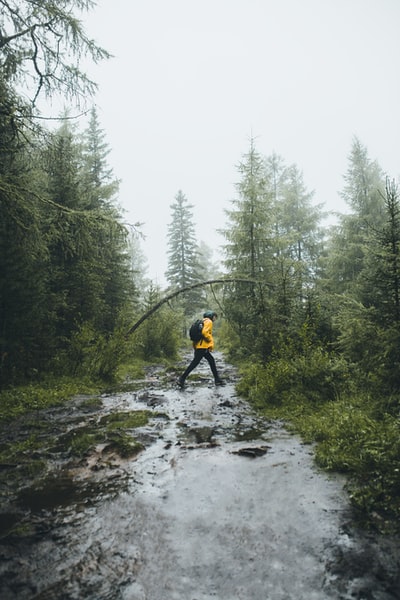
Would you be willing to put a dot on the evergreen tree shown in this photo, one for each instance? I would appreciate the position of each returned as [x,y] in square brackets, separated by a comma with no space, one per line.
[249,220]
[23,252]
[380,282]
[369,329]
[158,336]
[183,257]
[100,187]
[138,263]
[64,259]
[112,239]
[362,266]
[90,262]
[273,239]
[209,268]
[364,186]
[348,247]
[41,44]
[248,253]
[298,244]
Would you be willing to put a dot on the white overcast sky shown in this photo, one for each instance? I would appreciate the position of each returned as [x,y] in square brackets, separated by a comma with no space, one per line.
[191,82]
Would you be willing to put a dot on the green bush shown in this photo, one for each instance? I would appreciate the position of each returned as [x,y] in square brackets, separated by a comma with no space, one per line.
[351,440]
[315,375]
[356,434]
[91,354]
[159,336]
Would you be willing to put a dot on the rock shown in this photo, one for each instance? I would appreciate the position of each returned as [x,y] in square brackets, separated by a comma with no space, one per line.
[252,452]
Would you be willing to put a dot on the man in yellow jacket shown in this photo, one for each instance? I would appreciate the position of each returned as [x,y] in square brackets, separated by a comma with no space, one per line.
[203,349]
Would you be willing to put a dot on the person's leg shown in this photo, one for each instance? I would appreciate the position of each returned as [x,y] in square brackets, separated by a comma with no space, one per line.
[211,361]
[198,355]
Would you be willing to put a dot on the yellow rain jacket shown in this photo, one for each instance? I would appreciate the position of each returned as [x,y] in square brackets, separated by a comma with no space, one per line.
[207,341]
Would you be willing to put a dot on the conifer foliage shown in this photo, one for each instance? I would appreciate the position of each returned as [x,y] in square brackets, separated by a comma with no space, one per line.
[183,254]
[65,268]
[41,44]
[272,237]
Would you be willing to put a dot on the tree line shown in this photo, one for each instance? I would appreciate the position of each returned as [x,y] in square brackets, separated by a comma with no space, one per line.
[65,270]
[317,288]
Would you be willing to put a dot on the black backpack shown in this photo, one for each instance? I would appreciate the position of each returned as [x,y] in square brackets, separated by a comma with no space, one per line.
[195,331]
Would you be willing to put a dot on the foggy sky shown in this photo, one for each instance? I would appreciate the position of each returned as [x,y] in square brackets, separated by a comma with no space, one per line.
[191,82]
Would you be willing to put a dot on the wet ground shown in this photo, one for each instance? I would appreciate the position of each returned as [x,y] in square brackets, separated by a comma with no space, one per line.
[211,503]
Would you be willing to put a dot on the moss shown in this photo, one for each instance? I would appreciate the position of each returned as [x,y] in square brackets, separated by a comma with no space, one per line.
[125,445]
[17,450]
[132,370]
[126,420]
[22,399]
[83,441]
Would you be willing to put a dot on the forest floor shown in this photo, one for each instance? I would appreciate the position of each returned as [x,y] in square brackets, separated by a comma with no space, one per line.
[219,504]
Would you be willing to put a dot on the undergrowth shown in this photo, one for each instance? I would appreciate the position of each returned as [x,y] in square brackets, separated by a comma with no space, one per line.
[353,432]
[53,391]
[18,400]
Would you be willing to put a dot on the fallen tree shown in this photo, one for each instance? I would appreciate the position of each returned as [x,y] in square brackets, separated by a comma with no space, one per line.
[169,297]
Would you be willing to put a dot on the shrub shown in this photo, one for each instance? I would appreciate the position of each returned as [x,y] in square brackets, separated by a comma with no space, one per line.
[95,355]
[315,375]
[351,440]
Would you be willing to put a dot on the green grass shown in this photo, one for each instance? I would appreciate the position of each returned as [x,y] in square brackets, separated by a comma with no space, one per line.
[353,433]
[25,398]
[349,440]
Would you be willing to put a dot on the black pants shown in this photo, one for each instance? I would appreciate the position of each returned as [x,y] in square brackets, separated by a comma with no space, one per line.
[200,353]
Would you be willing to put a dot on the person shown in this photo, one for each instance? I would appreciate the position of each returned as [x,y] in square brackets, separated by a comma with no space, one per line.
[203,349]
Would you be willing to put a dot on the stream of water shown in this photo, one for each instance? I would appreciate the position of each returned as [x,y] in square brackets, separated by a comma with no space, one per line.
[219,505]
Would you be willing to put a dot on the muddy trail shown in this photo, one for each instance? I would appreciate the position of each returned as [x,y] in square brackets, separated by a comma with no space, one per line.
[212,503]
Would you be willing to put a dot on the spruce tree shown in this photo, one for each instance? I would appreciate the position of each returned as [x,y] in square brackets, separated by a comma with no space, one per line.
[298,242]
[369,329]
[24,323]
[274,239]
[248,236]
[247,232]
[183,256]
[99,185]
[363,193]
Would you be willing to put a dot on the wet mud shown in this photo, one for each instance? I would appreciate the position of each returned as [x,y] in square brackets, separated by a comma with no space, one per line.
[204,501]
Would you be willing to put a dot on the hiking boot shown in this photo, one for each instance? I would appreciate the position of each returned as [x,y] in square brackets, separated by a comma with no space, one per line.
[219,382]
[180,383]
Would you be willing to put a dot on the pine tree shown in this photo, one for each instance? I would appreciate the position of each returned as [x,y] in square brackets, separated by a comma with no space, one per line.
[273,239]
[248,253]
[248,229]
[100,187]
[183,257]
[348,247]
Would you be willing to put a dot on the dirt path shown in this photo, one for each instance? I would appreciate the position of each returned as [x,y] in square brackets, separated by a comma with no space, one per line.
[220,505]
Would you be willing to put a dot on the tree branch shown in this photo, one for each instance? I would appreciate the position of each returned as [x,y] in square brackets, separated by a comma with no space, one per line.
[4,40]
[154,308]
